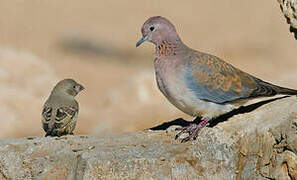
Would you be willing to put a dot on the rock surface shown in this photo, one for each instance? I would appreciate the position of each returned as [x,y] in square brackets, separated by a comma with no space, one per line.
[261,144]
[289,9]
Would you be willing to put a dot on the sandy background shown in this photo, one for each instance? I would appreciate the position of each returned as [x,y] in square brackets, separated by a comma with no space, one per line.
[93,42]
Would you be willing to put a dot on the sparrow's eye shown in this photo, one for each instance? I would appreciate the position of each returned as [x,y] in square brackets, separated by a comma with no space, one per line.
[74,87]
[152,28]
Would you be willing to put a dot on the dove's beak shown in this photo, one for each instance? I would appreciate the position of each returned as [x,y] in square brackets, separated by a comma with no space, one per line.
[144,38]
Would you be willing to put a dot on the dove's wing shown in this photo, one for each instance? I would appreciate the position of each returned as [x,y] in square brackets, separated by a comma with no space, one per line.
[214,80]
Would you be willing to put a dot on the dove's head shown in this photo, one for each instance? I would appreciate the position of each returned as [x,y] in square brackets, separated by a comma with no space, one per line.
[158,29]
[68,87]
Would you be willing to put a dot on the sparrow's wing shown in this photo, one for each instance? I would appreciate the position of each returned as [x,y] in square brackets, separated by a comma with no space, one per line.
[46,113]
[63,117]
[46,116]
[214,80]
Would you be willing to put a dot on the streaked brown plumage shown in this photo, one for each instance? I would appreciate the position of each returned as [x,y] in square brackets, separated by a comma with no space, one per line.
[59,114]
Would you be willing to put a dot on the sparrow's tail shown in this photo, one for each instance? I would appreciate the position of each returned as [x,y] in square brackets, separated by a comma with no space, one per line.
[48,133]
[52,132]
[49,128]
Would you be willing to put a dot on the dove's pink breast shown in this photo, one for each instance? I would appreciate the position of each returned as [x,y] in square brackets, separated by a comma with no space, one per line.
[170,76]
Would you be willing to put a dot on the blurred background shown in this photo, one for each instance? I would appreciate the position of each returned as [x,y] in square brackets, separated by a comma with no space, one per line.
[42,42]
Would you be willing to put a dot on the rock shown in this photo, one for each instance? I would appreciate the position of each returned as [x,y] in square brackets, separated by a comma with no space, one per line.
[289,9]
[260,144]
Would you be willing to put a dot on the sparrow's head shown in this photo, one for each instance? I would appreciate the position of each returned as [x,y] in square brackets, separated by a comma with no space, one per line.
[157,29]
[68,87]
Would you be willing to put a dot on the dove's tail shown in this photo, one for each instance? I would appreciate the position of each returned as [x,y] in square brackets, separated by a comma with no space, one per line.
[268,89]
[285,91]
[277,89]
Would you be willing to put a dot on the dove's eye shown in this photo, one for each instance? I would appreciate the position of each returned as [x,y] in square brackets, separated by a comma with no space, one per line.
[152,28]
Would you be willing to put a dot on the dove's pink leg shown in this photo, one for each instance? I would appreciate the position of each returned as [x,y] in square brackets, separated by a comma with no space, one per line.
[193,129]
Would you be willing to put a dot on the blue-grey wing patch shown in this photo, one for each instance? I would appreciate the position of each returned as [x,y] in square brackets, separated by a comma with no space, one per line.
[218,83]
[212,79]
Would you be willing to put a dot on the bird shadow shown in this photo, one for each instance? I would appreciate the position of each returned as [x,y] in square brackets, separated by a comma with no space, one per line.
[241,110]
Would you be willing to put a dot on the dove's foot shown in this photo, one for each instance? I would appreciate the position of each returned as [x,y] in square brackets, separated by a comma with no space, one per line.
[193,130]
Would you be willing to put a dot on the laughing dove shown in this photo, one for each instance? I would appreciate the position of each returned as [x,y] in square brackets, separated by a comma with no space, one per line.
[197,83]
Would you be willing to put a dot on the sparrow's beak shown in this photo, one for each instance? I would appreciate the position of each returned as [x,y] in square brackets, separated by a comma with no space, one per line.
[144,38]
[79,88]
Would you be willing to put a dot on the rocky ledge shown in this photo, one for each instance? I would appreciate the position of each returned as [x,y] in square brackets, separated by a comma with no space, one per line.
[289,9]
[258,142]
